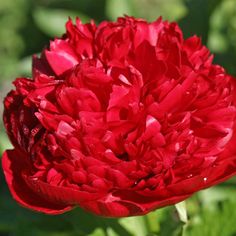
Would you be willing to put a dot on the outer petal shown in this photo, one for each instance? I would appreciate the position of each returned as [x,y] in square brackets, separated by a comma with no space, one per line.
[13,161]
[129,207]
[61,56]
[128,203]
[40,65]
[230,149]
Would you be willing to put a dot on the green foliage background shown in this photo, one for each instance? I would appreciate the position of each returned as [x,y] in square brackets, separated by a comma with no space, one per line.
[26,26]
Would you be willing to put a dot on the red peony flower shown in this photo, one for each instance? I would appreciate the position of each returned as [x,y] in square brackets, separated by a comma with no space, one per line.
[119,119]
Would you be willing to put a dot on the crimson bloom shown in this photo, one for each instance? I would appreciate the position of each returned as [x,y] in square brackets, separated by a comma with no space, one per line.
[119,119]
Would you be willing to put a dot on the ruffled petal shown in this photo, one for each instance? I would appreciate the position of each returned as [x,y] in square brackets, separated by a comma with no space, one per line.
[13,162]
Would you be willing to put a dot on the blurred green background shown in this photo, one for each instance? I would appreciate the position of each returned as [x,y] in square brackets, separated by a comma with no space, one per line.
[26,26]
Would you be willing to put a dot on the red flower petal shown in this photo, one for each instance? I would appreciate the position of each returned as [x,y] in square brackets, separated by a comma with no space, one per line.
[61,56]
[13,161]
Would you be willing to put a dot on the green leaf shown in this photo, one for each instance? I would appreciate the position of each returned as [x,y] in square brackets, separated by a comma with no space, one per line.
[217,42]
[135,225]
[153,220]
[214,221]
[4,142]
[52,21]
[210,197]
[151,10]
[174,10]
[111,232]
[182,211]
[25,66]
[98,232]
[118,8]
[170,225]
